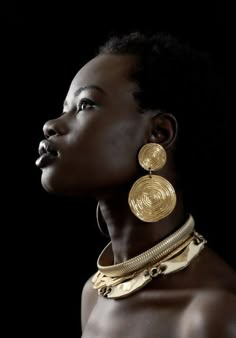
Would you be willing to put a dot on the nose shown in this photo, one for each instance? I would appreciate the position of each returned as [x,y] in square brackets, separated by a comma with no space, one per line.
[53,127]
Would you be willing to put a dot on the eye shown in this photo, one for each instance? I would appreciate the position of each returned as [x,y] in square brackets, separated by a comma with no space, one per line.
[85,104]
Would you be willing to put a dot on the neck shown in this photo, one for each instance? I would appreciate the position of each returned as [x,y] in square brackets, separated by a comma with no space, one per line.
[131,236]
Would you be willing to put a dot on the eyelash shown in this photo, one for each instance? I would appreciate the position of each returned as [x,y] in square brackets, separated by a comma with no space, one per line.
[84,101]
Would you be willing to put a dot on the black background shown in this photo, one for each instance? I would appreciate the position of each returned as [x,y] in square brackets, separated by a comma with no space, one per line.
[52,243]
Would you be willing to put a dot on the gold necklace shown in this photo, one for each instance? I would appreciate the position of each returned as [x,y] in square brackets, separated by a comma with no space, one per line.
[148,257]
[172,254]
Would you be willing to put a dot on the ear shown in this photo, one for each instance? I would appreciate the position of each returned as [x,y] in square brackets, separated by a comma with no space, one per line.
[164,129]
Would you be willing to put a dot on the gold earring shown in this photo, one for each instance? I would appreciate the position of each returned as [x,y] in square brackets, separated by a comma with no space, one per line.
[152,197]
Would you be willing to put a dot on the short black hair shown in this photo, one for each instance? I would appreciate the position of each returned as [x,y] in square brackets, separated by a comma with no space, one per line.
[169,73]
[174,77]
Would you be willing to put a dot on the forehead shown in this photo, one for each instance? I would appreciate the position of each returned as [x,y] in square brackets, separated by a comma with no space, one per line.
[110,72]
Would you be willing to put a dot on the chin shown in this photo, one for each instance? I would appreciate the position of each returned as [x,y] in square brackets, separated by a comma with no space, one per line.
[51,183]
[48,186]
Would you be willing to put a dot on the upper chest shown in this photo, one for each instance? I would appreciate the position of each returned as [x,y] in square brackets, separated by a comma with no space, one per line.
[140,316]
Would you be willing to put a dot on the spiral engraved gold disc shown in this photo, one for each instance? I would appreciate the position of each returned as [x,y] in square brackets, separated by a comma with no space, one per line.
[152,156]
[152,198]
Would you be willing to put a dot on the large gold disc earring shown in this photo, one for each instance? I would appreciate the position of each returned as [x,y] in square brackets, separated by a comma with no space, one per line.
[152,197]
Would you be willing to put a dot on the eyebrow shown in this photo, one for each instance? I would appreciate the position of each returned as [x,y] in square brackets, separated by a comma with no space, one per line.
[81,89]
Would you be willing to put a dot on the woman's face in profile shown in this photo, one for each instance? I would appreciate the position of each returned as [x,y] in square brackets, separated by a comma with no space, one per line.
[97,137]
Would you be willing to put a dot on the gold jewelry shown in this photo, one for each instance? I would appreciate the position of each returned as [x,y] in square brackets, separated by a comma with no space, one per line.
[152,156]
[98,213]
[152,198]
[150,256]
[118,285]
[122,287]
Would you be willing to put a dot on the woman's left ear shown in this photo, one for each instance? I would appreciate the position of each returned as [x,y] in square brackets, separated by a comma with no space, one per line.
[164,129]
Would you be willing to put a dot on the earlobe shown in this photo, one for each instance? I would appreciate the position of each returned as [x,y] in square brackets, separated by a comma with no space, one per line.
[164,129]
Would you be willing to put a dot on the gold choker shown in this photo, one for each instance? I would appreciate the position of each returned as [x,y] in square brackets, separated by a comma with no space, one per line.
[170,255]
[148,257]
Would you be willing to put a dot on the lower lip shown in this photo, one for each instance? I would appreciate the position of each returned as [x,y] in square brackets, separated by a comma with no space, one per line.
[45,160]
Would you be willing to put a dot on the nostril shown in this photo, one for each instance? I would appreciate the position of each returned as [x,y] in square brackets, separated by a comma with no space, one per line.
[49,130]
[54,128]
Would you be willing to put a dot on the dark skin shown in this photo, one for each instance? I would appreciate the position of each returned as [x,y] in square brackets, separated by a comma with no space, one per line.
[97,140]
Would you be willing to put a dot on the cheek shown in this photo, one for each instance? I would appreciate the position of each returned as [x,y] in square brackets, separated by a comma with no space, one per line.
[95,157]
[117,149]
[107,148]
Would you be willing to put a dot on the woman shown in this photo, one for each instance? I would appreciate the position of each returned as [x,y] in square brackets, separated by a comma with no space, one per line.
[126,138]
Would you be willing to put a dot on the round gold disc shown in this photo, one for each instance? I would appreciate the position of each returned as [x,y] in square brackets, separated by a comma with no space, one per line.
[152,156]
[152,198]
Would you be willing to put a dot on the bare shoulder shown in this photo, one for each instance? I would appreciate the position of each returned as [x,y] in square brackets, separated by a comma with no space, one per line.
[210,314]
[88,300]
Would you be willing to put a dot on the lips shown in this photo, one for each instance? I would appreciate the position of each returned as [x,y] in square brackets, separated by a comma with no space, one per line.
[47,153]
[46,146]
